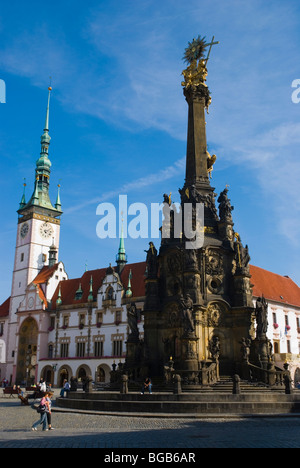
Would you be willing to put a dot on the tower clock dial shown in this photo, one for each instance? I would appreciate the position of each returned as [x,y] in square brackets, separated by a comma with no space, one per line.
[46,230]
[24,230]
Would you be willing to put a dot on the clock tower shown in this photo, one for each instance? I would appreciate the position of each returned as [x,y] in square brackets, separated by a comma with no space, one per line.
[38,225]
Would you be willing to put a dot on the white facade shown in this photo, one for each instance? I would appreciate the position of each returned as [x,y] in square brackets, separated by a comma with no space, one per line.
[36,233]
[284,333]
[88,340]
[34,238]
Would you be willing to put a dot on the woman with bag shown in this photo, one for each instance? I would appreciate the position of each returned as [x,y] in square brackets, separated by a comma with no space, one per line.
[48,410]
[43,406]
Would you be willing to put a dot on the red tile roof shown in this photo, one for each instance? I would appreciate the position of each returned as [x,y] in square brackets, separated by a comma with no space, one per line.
[137,280]
[70,287]
[274,287]
[45,274]
[4,308]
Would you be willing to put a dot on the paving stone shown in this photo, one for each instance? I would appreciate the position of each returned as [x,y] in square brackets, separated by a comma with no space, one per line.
[112,432]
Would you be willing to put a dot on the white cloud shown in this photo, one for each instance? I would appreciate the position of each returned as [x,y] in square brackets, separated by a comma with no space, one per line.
[133,186]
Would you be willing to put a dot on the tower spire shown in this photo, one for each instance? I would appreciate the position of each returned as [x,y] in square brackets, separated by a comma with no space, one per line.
[40,197]
[23,200]
[121,259]
[48,110]
[58,202]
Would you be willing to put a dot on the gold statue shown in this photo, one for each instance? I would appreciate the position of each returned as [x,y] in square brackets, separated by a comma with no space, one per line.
[195,74]
[210,163]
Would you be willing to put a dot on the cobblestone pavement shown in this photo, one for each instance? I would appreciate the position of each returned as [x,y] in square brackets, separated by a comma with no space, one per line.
[88,431]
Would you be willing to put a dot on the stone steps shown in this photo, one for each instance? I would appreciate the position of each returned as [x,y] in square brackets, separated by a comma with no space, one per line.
[189,403]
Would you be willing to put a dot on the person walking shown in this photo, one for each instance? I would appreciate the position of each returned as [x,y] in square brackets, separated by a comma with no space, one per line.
[48,410]
[43,415]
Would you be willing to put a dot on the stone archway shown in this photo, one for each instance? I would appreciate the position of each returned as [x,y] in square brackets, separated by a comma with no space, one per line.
[103,373]
[82,372]
[297,377]
[64,373]
[48,375]
[27,352]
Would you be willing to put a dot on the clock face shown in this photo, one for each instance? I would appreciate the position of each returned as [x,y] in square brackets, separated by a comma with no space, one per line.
[46,230]
[24,230]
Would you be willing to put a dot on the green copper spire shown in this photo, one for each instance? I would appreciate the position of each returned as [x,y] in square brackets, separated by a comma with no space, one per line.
[58,202]
[121,259]
[35,197]
[91,294]
[129,290]
[59,297]
[46,129]
[23,200]
[40,197]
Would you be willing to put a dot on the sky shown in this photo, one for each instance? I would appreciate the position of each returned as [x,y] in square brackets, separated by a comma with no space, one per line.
[118,117]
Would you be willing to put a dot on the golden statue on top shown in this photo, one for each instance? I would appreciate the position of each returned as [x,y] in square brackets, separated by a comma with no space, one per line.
[196,72]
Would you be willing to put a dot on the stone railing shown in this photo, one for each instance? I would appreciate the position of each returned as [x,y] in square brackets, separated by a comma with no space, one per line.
[208,374]
[272,377]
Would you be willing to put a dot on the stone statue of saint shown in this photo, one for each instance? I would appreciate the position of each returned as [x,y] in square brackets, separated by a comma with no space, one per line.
[187,306]
[133,321]
[214,347]
[261,314]
[152,261]
[242,253]
[245,348]
[225,207]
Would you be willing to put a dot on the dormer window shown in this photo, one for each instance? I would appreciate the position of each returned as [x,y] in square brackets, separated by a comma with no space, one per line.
[79,294]
[110,294]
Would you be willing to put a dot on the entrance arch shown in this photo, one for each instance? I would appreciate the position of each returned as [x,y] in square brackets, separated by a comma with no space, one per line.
[27,352]
[297,377]
[48,375]
[82,372]
[64,373]
[103,373]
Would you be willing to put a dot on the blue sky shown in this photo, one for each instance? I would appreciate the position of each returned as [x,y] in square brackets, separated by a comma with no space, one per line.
[118,118]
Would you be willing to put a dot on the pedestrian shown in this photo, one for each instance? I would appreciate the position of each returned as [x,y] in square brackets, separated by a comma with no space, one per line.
[4,383]
[43,415]
[43,387]
[147,385]
[48,410]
